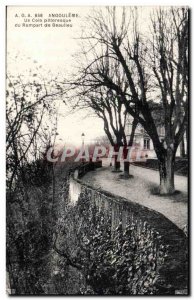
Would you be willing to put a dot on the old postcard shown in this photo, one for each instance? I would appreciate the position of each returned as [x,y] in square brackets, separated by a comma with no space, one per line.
[97,150]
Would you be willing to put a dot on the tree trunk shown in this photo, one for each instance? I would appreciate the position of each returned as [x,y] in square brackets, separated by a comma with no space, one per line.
[187,141]
[117,164]
[130,144]
[126,169]
[166,169]
[182,148]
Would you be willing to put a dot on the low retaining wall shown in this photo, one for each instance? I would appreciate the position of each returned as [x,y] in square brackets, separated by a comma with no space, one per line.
[175,269]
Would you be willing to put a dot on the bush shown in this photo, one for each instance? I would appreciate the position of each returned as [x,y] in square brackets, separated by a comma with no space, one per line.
[32,213]
[120,262]
[36,173]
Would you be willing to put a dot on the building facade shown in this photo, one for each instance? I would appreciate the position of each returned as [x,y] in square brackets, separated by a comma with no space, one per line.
[142,144]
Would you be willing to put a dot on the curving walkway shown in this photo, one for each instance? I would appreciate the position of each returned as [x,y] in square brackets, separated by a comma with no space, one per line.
[138,188]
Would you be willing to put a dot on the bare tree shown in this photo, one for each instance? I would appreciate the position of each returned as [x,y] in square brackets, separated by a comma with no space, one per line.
[28,104]
[31,111]
[170,67]
[156,70]
[106,103]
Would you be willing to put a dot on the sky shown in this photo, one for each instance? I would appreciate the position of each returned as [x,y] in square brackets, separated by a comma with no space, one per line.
[53,49]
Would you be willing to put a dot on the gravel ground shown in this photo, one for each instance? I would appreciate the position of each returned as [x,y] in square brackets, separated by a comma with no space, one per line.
[139,187]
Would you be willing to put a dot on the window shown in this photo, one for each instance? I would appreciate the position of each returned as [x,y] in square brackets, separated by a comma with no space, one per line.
[146,144]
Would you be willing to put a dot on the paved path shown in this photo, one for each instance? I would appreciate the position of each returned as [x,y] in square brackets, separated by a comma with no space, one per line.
[138,189]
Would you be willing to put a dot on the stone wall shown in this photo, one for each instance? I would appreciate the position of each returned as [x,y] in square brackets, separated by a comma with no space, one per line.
[175,269]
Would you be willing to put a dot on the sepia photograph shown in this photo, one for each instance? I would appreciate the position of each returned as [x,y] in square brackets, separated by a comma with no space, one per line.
[97,150]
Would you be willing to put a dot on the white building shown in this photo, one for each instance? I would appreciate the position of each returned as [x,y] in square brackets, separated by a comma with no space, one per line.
[143,144]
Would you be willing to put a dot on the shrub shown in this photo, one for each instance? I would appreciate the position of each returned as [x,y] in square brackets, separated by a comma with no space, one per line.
[114,262]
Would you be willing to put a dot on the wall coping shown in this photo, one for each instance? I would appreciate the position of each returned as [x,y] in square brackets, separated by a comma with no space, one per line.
[176,265]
